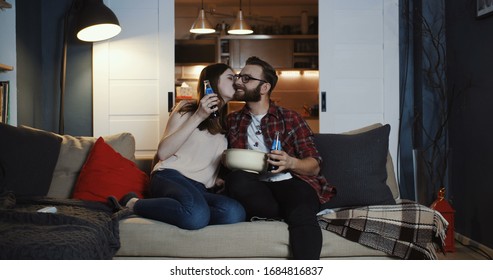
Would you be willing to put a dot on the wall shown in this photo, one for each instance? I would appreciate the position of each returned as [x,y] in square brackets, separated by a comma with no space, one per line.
[359,62]
[133,73]
[7,56]
[28,61]
[470,65]
[39,49]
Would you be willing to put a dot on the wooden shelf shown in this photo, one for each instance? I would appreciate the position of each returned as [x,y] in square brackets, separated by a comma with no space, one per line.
[269,37]
[305,54]
[5,5]
[4,67]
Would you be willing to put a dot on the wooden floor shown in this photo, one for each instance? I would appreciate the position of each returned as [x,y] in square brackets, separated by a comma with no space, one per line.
[463,253]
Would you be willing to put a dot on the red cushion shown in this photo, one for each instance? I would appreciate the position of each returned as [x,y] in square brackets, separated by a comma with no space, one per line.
[106,173]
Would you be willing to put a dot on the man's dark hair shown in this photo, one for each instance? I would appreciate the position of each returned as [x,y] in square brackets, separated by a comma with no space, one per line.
[268,71]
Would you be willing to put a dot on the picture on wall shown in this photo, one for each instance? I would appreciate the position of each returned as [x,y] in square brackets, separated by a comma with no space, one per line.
[484,8]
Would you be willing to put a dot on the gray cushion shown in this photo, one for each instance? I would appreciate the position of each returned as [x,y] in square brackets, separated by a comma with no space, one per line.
[356,166]
[27,159]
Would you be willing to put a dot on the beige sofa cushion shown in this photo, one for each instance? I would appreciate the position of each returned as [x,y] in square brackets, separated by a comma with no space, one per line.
[73,155]
[147,238]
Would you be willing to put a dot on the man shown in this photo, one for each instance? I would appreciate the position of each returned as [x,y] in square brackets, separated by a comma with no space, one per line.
[294,190]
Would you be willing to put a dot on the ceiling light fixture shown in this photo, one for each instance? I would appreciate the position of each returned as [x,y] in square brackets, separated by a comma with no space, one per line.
[240,26]
[201,24]
[96,22]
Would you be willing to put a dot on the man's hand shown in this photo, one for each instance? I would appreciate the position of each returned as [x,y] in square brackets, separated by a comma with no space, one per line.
[280,159]
[306,166]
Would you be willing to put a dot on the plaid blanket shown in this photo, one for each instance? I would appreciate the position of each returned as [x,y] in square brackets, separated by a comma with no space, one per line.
[406,230]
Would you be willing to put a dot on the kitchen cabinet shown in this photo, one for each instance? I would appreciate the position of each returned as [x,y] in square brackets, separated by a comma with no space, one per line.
[282,51]
[193,52]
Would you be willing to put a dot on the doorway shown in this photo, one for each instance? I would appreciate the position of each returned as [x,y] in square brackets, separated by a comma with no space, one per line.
[278,38]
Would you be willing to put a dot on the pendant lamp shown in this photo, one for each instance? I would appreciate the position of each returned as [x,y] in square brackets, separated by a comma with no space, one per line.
[240,26]
[96,22]
[201,24]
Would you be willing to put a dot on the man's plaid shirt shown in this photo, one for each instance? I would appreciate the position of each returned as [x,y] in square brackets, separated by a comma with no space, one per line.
[296,138]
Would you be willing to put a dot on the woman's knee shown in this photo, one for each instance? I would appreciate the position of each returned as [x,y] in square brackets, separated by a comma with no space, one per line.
[235,214]
[225,210]
[196,219]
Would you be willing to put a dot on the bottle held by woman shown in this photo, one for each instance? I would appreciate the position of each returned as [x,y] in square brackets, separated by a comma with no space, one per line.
[208,90]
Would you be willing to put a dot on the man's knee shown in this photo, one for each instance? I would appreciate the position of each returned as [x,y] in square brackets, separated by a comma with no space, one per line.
[302,215]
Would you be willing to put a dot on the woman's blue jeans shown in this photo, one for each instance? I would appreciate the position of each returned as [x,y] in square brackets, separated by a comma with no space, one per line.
[178,200]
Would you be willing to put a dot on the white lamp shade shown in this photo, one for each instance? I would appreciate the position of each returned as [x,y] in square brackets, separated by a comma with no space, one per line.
[202,25]
[240,26]
[99,32]
[96,22]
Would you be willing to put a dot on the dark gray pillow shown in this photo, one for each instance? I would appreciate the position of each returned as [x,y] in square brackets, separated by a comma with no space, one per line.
[356,166]
[27,160]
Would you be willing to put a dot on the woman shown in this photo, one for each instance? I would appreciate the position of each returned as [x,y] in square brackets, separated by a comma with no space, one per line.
[189,156]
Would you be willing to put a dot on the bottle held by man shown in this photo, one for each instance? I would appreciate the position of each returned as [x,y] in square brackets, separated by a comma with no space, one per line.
[208,90]
[276,145]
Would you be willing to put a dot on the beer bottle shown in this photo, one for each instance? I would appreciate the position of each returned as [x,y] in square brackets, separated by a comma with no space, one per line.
[208,90]
[276,145]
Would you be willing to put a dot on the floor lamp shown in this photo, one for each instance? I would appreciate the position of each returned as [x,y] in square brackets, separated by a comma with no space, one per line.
[94,22]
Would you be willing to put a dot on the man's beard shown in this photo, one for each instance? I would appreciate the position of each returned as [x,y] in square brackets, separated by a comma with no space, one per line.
[248,95]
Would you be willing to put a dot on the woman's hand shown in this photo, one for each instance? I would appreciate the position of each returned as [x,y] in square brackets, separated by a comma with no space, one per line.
[208,104]
[220,182]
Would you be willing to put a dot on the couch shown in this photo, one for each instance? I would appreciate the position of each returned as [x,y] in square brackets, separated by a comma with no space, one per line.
[357,163]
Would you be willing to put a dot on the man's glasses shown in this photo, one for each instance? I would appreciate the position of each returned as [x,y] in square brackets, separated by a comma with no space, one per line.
[246,78]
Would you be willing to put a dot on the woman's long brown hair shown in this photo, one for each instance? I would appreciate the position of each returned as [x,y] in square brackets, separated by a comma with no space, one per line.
[212,73]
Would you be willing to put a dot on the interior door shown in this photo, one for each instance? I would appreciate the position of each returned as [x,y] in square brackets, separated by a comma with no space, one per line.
[359,65]
[134,73]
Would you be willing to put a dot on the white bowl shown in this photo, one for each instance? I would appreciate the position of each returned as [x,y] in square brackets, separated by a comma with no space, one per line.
[244,159]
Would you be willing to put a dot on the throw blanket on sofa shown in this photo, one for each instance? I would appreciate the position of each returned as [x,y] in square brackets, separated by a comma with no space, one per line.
[406,230]
[78,230]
